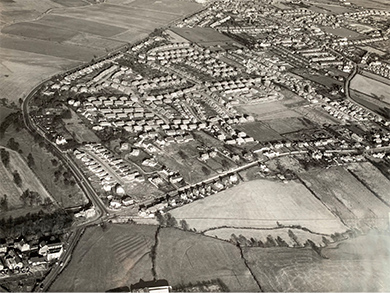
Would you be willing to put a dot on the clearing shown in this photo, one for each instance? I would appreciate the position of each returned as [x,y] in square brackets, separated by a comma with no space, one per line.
[260,204]
[356,265]
[114,256]
[184,257]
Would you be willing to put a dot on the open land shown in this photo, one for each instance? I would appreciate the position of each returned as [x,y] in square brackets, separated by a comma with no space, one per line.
[203,36]
[371,87]
[114,256]
[373,179]
[347,198]
[360,264]
[262,204]
[184,257]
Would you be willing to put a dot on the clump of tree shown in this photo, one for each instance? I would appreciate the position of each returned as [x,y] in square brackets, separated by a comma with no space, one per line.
[31,198]
[37,225]
[4,154]
[13,144]
[17,179]
[4,203]
[166,220]
[15,119]
[30,160]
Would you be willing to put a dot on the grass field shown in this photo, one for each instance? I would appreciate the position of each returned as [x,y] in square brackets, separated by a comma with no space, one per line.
[262,234]
[203,36]
[341,32]
[355,265]
[184,257]
[260,204]
[260,131]
[371,87]
[29,181]
[106,259]
[373,179]
[347,197]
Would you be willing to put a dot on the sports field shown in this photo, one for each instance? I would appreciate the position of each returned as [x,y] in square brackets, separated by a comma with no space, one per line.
[115,256]
[261,204]
[355,265]
[184,257]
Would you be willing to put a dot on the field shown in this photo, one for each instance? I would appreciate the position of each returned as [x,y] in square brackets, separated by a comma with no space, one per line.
[260,204]
[184,257]
[373,179]
[41,38]
[262,234]
[341,32]
[372,4]
[65,195]
[260,131]
[371,87]
[115,256]
[355,265]
[347,197]
[368,102]
[29,181]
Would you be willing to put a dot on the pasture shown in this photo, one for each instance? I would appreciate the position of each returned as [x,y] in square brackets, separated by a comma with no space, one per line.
[260,204]
[184,257]
[355,265]
[373,179]
[371,87]
[115,256]
[347,198]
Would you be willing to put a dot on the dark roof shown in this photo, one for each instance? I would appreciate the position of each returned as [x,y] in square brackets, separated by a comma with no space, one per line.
[120,289]
[148,284]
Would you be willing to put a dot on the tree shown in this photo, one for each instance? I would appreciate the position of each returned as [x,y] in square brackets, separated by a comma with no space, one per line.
[17,178]
[4,203]
[30,160]
[184,225]
[161,219]
[13,144]
[4,157]
[171,221]
[293,238]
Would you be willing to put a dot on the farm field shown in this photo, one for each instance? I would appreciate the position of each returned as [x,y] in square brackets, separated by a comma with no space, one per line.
[260,204]
[347,197]
[371,87]
[35,46]
[29,181]
[262,234]
[355,265]
[115,256]
[373,179]
[184,257]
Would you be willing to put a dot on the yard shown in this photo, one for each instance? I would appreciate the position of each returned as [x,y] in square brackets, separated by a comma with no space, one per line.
[260,204]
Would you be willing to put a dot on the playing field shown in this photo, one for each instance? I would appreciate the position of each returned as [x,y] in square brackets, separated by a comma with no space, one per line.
[356,265]
[347,197]
[261,204]
[184,257]
[110,258]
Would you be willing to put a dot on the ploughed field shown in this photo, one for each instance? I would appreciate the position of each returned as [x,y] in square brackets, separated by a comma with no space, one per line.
[261,204]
